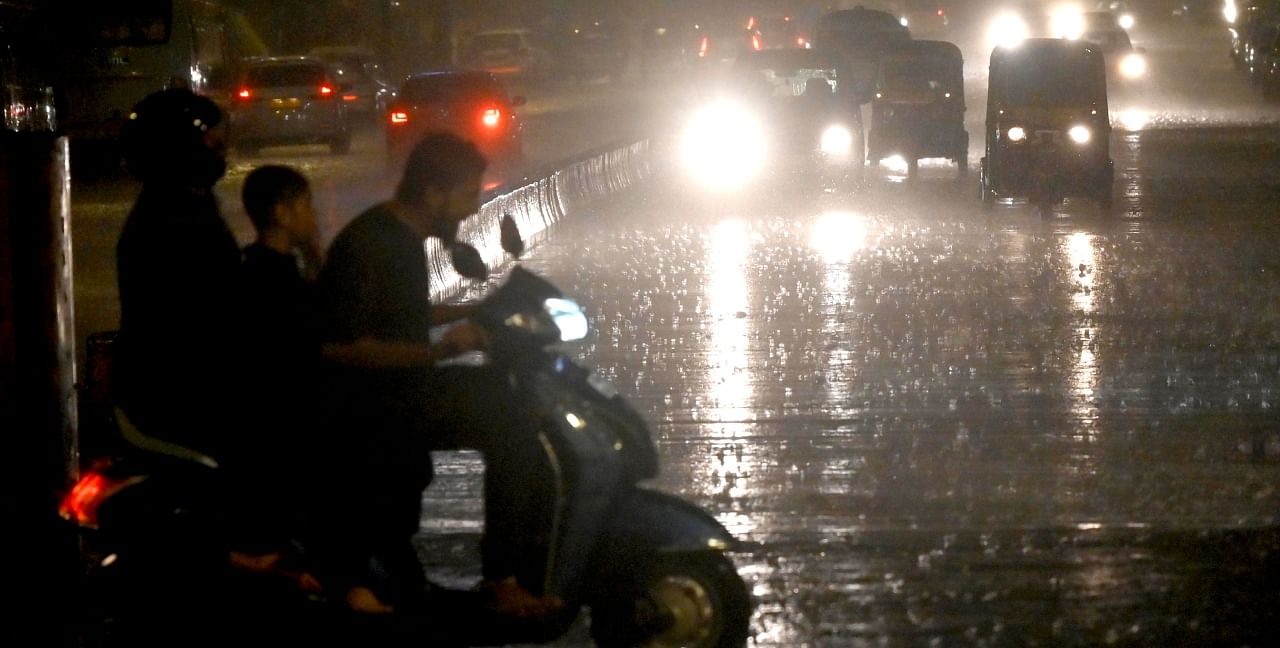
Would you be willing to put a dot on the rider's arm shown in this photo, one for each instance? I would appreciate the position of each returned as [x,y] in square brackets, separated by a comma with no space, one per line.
[373,353]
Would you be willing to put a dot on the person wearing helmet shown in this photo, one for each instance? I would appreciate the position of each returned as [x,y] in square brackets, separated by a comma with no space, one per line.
[177,269]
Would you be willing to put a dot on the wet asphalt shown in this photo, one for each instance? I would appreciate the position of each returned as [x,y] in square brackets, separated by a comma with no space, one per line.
[938,425]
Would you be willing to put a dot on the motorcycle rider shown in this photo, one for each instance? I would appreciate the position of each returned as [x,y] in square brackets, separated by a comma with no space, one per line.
[177,269]
[394,405]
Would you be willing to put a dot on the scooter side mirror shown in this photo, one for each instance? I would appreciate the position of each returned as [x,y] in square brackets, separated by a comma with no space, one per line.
[510,235]
[467,261]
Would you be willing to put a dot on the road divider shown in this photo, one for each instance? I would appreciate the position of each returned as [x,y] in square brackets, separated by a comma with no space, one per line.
[540,200]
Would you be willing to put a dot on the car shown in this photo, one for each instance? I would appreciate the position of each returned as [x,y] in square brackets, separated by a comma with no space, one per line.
[368,91]
[285,100]
[781,112]
[1125,63]
[1048,127]
[472,104]
[508,52]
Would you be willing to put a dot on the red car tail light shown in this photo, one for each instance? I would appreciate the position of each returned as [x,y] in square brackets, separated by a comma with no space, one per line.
[325,91]
[350,97]
[755,42]
[244,94]
[399,117]
[702,49]
[491,117]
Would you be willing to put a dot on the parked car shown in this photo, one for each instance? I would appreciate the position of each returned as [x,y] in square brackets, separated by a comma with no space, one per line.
[368,91]
[473,105]
[508,52]
[284,100]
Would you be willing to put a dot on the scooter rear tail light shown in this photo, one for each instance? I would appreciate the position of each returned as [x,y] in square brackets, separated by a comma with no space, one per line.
[244,94]
[399,117]
[325,91]
[491,117]
[80,505]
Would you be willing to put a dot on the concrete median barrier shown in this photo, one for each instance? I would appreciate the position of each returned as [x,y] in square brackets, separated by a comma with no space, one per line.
[541,200]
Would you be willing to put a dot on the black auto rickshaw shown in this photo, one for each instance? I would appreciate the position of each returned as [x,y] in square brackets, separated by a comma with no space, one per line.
[1048,130]
[918,109]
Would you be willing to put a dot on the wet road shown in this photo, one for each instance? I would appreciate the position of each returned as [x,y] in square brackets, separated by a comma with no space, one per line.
[941,426]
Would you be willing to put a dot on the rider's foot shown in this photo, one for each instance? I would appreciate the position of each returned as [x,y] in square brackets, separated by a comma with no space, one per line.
[362,599]
[508,598]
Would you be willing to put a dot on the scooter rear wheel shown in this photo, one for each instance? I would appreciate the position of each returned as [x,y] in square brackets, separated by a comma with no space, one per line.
[691,600]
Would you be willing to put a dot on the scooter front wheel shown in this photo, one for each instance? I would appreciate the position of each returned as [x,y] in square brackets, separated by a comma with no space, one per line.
[686,600]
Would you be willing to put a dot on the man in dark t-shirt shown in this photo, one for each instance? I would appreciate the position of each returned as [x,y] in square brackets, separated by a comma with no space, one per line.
[391,405]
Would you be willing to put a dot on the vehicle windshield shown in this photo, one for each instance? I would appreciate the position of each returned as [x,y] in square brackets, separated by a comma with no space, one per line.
[447,88]
[919,75]
[787,73]
[1048,79]
[274,76]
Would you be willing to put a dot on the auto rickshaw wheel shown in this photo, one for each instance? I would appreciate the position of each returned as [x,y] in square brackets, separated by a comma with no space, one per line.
[985,192]
[913,168]
[962,167]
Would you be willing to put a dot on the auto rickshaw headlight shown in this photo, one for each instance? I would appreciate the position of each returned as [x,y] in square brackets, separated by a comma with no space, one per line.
[837,140]
[1133,66]
[1126,21]
[1079,134]
[1017,134]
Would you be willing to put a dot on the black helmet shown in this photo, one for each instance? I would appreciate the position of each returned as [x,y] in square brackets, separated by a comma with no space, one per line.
[164,138]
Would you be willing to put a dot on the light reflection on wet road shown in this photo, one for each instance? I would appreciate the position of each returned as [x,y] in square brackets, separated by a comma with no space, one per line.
[939,425]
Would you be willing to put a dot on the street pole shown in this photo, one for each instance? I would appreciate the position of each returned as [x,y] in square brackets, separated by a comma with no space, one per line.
[37,388]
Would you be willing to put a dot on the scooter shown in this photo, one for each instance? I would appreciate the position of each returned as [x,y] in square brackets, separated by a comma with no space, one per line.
[652,568]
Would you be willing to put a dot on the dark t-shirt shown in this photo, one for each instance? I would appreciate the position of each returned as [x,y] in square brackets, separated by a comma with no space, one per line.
[375,282]
[177,266]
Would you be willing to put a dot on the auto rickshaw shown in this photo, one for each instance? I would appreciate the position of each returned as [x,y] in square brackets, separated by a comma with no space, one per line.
[1048,129]
[918,109]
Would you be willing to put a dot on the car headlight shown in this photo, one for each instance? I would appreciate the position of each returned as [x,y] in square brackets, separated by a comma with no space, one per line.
[1079,134]
[1230,12]
[1126,21]
[1007,30]
[1133,66]
[837,140]
[723,146]
[1017,134]
[568,317]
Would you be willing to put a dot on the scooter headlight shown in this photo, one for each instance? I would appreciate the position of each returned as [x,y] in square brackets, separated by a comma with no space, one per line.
[1017,134]
[568,317]
[1079,134]
[1133,66]
[837,140]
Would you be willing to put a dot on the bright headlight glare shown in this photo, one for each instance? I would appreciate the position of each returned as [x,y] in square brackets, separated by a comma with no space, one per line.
[1079,134]
[1133,66]
[568,317]
[1007,30]
[1068,23]
[723,145]
[1017,134]
[837,140]
[1230,12]
[1126,21]
[904,22]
